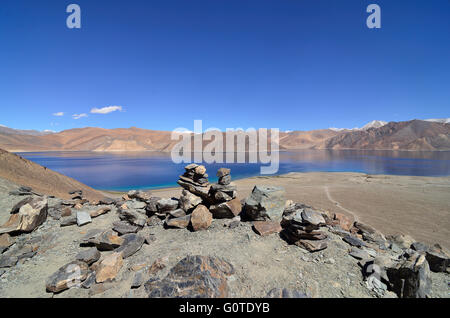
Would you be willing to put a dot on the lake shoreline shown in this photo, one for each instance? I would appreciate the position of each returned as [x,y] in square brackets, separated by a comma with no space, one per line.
[413,205]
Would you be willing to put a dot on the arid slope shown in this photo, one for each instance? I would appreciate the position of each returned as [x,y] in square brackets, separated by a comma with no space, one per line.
[42,180]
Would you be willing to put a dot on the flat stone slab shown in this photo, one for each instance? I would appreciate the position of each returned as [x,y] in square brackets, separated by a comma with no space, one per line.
[83,218]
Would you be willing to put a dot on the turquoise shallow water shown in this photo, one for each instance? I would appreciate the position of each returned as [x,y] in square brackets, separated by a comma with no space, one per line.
[147,170]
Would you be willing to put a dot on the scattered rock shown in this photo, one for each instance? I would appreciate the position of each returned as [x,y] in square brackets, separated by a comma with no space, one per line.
[181,222]
[89,281]
[70,275]
[133,217]
[353,241]
[438,261]
[106,241]
[89,256]
[5,241]
[109,267]
[30,216]
[359,254]
[123,227]
[143,196]
[100,211]
[285,293]
[343,221]
[68,220]
[166,205]
[178,213]
[158,265]
[265,228]
[193,277]
[401,240]
[83,218]
[201,218]
[312,245]
[131,244]
[233,223]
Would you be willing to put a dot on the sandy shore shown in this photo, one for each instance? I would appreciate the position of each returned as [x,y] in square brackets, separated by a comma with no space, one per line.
[417,206]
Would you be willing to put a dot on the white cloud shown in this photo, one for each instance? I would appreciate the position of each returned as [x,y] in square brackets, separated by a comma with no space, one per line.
[78,116]
[58,114]
[2,125]
[106,110]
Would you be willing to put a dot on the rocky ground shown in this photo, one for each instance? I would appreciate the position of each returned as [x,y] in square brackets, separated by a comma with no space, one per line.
[259,246]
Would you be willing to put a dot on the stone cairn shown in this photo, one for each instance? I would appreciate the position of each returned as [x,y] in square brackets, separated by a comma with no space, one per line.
[301,227]
[201,201]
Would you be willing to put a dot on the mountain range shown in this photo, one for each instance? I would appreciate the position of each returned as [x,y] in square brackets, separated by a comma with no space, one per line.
[376,135]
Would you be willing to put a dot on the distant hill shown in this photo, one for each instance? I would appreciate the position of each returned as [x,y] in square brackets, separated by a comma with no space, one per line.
[11,131]
[42,180]
[408,135]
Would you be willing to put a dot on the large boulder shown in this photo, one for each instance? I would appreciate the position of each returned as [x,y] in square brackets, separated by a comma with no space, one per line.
[193,277]
[226,210]
[265,202]
[201,218]
[70,275]
[410,278]
[30,216]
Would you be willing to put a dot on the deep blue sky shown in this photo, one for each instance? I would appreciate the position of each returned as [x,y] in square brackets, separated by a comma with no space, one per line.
[297,64]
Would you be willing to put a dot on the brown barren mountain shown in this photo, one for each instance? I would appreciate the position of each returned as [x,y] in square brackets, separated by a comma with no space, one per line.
[42,180]
[408,135]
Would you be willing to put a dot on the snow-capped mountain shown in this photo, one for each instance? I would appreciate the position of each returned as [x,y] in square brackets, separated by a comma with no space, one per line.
[372,124]
[440,120]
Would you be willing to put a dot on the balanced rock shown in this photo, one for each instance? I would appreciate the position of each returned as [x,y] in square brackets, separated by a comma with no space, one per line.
[70,275]
[201,218]
[109,267]
[222,193]
[265,202]
[193,277]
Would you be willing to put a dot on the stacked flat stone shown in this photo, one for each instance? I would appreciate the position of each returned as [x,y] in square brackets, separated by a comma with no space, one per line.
[195,180]
[301,226]
[223,196]
[191,209]
[224,190]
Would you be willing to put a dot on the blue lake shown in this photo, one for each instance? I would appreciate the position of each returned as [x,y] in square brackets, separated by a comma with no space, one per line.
[147,170]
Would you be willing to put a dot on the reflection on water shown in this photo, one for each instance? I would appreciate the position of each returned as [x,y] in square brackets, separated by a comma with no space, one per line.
[138,170]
